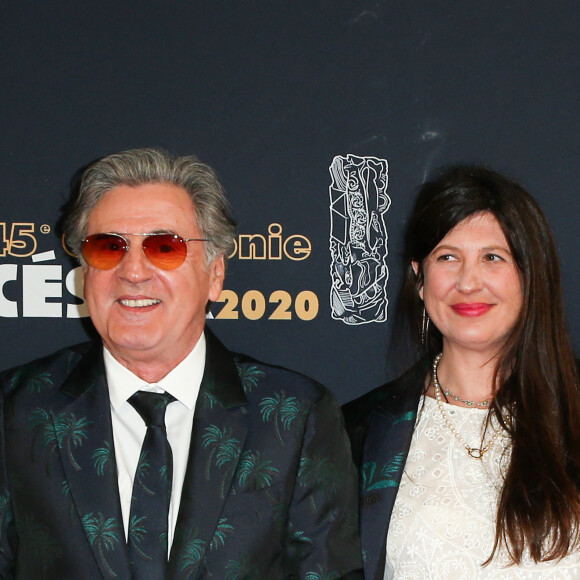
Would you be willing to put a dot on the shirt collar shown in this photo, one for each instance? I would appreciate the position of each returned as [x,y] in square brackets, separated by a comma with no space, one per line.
[182,382]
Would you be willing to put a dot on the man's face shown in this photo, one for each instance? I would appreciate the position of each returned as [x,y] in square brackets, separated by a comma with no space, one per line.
[147,316]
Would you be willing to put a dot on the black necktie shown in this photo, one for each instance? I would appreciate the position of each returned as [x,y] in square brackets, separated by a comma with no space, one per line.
[151,490]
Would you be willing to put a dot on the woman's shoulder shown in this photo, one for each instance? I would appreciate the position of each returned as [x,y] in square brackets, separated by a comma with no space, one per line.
[392,398]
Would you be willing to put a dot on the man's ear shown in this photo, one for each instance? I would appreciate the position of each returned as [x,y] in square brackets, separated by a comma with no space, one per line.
[217,271]
[415,266]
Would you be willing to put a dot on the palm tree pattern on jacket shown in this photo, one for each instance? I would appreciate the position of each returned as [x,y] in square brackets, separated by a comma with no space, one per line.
[373,479]
[255,471]
[137,533]
[222,448]
[62,431]
[321,574]
[103,457]
[321,473]
[104,534]
[281,409]
[195,547]
[243,569]
[250,376]
[262,465]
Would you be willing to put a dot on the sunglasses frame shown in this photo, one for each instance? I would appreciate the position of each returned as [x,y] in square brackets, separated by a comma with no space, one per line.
[146,235]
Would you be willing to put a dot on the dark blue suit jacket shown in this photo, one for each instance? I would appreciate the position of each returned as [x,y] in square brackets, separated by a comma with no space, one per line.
[269,492]
[380,425]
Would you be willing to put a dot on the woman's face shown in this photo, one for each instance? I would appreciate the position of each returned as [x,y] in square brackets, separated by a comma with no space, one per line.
[471,286]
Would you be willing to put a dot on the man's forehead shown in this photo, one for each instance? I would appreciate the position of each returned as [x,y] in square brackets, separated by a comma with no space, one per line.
[154,206]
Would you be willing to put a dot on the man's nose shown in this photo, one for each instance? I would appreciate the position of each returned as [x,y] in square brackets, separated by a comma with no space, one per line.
[135,267]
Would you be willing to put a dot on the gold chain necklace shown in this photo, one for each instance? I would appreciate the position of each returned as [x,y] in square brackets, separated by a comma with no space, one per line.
[475,452]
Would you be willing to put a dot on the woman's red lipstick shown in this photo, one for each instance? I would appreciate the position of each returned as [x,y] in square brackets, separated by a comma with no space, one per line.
[472,309]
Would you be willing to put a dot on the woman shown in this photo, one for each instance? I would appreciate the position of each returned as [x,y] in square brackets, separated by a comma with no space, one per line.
[471,460]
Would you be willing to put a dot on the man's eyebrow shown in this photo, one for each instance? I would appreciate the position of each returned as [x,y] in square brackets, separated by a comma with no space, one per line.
[149,233]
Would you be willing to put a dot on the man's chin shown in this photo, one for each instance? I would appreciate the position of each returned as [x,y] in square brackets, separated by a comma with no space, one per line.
[133,348]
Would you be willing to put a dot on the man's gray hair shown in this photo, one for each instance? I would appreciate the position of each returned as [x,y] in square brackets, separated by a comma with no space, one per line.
[143,166]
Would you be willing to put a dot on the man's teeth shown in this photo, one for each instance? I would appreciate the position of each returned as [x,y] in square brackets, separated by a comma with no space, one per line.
[139,303]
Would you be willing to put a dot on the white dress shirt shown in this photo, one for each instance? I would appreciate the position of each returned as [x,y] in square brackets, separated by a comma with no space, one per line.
[129,429]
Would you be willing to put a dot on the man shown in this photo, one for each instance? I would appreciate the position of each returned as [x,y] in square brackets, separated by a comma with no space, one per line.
[251,471]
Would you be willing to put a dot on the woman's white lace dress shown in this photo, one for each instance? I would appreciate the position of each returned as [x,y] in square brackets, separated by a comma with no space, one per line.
[443,522]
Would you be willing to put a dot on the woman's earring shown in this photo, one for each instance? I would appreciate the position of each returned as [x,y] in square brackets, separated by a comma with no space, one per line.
[424,326]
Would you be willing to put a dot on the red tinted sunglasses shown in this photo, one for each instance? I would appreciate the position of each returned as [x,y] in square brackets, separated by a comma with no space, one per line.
[165,251]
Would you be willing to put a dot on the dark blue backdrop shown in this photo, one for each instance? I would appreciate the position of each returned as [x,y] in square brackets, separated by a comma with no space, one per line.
[269,92]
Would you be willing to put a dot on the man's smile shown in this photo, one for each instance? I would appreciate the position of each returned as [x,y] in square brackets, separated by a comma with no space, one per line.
[139,302]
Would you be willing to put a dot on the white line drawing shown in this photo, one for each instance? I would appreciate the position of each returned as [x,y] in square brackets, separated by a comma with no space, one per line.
[358,239]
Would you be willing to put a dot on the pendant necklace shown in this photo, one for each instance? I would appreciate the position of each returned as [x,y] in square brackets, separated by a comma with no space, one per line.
[475,452]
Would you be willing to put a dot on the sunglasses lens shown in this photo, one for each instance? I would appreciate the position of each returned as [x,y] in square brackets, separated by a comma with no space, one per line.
[166,251]
[104,251]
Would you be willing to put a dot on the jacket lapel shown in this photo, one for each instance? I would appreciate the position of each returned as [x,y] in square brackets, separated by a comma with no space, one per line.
[85,443]
[383,459]
[217,439]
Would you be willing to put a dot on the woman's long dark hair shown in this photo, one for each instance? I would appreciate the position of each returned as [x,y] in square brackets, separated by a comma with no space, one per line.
[538,391]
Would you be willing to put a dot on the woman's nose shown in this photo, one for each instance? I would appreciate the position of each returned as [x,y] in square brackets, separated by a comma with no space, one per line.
[469,278]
